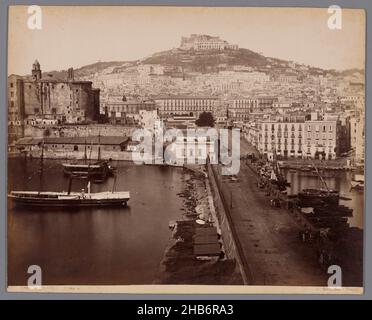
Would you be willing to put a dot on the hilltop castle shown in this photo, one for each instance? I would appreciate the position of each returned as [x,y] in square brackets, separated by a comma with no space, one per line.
[205,42]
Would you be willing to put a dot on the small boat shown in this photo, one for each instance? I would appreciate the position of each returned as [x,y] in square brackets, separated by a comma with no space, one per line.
[358,182]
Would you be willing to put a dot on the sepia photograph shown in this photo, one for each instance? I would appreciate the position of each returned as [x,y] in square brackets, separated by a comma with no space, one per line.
[156,149]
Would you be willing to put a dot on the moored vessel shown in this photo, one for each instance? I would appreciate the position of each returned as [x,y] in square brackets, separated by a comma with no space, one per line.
[357,182]
[311,197]
[68,200]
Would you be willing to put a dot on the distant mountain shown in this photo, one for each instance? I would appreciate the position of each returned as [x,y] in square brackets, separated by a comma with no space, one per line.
[87,70]
[204,61]
[208,58]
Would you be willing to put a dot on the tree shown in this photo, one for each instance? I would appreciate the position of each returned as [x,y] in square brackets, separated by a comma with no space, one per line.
[205,120]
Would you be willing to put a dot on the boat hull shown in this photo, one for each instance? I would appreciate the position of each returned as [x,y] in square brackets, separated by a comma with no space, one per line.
[311,197]
[96,172]
[63,200]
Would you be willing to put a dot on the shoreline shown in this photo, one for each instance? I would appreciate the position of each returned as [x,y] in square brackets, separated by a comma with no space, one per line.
[179,264]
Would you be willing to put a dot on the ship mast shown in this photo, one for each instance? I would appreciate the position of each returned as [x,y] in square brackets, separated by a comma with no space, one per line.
[317,172]
[99,146]
[85,150]
[320,176]
[41,166]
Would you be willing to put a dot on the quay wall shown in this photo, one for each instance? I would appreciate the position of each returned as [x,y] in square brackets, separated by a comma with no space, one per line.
[40,131]
[228,233]
[79,155]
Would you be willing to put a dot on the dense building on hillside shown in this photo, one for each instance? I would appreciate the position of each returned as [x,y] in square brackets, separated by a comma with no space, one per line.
[36,99]
[295,137]
[185,105]
[205,42]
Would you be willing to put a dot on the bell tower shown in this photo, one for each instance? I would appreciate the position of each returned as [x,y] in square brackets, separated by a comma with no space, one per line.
[36,71]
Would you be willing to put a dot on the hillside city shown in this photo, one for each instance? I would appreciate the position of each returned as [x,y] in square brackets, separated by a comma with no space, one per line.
[293,208]
[322,109]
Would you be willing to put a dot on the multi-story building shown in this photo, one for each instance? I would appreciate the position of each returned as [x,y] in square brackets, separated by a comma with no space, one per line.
[205,42]
[193,148]
[284,139]
[294,137]
[360,143]
[357,137]
[185,105]
[322,138]
[241,109]
[127,112]
[35,98]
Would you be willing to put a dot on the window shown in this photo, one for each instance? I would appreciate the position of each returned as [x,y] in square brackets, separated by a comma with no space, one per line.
[11,85]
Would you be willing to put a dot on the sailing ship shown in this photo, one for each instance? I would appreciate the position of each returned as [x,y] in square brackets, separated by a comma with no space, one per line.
[97,171]
[319,196]
[69,199]
[277,177]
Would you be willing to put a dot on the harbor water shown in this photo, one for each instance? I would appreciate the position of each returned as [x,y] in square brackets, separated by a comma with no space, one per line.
[336,180]
[102,246]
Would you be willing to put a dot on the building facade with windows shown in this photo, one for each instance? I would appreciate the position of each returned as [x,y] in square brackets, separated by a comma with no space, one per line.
[297,138]
[242,108]
[185,105]
[128,112]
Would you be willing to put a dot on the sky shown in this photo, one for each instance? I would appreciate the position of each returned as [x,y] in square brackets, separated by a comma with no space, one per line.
[75,36]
